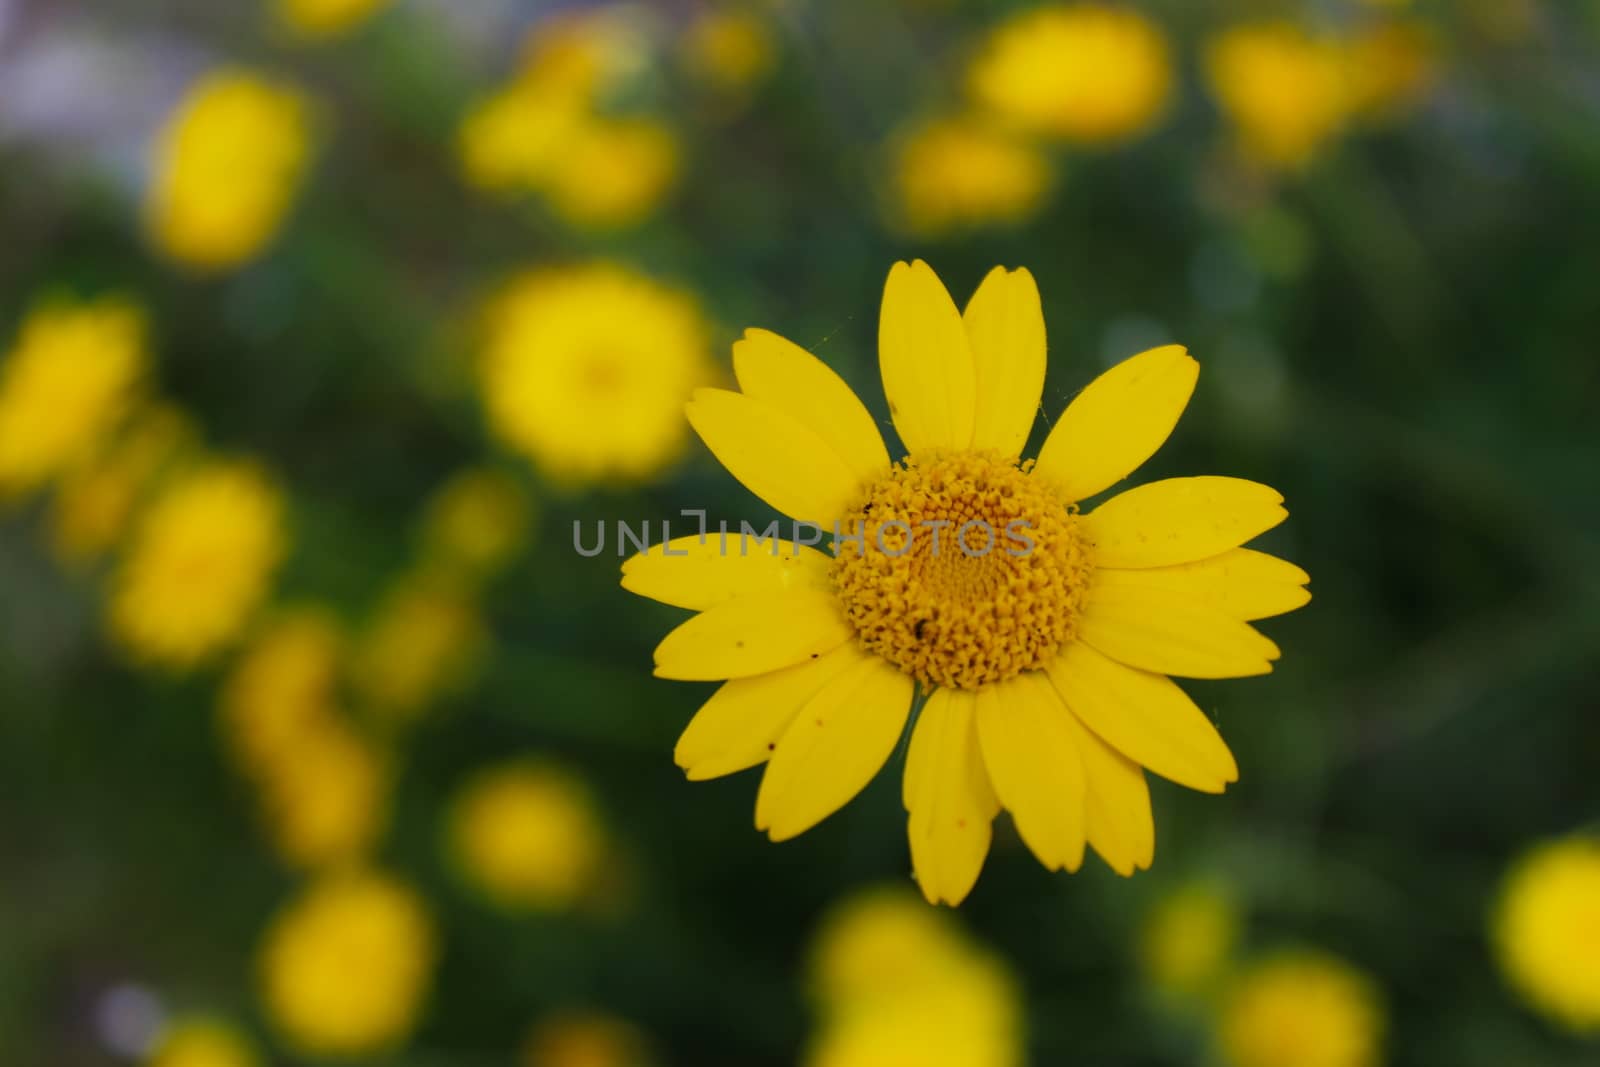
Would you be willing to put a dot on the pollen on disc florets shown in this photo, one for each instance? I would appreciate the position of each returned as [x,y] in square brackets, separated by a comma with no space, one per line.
[966,571]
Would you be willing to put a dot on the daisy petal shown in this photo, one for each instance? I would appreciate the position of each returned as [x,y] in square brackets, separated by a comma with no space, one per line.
[699,572]
[832,748]
[948,794]
[1241,583]
[753,635]
[1035,767]
[1005,329]
[925,360]
[1180,520]
[1121,827]
[776,457]
[741,723]
[1156,630]
[1118,422]
[1144,716]
[779,372]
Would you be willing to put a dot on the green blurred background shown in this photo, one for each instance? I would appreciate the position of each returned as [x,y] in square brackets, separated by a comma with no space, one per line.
[1400,335]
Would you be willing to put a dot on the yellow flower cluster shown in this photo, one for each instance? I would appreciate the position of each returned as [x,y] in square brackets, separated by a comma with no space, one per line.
[1090,74]
[200,537]
[898,983]
[69,380]
[1546,931]
[227,167]
[1098,75]
[1288,91]
[345,968]
[427,638]
[1285,1008]
[585,370]
[322,787]
[526,835]
[549,132]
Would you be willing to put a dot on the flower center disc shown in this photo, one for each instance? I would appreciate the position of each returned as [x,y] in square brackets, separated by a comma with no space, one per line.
[965,572]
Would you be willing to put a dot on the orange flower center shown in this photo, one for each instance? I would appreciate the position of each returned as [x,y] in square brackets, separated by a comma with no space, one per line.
[961,570]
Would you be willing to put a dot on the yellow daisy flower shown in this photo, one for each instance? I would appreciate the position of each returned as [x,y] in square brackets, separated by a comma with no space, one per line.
[345,968]
[200,561]
[203,1042]
[1546,931]
[954,174]
[1085,72]
[1040,638]
[227,167]
[72,375]
[1301,1008]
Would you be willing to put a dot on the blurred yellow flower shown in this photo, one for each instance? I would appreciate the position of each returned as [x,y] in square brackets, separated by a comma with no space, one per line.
[282,688]
[952,174]
[1391,66]
[227,167]
[200,562]
[71,376]
[201,1042]
[345,967]
[476,523]
[425,641]
[326,803]
[1284,91]
[326,18]
[586,371]
[968,1018]
[613,173]
[526,834]
[1087,72]
[586,1039]
[881,939]
[1301,1009]
[728,49]
[95,500]
[587,53]
[1546,931]
[510,140]
[900,986]
[1187,939]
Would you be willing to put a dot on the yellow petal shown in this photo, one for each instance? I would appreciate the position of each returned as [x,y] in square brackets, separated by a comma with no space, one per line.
[1144,716]
[1035,767]
[1241,583]
[741,723]
[1005,329]
[779,372]
[753,635]
[1121,826]
[948,794]
[834,745]
[1118,422]
[777,458]
[925,360]
[1168,633]
[1180,520]
[695,572]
